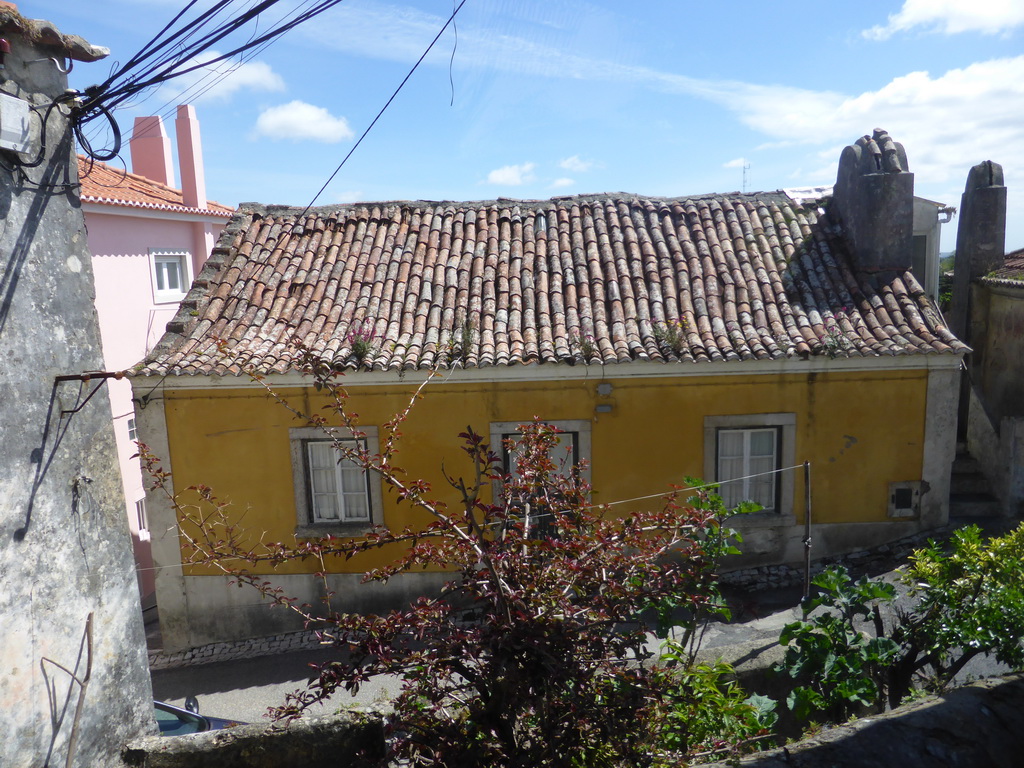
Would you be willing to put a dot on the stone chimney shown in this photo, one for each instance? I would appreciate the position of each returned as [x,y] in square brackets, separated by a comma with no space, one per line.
[874,201]
[151,150]
[980,239]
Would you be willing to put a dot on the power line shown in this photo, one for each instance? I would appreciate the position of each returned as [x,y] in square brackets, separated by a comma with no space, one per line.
[382,109]
[174,51]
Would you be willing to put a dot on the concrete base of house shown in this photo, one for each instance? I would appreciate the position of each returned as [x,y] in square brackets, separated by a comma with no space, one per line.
[784,544]
[219,610]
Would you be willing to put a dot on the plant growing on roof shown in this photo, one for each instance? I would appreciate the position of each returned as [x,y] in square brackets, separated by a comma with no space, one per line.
[671,334]
[459,342]
[535,653]
[361,340]
[833,340]
[585,345]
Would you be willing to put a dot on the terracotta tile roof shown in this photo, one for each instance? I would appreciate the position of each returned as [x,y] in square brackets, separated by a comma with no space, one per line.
[1012,270]
[599,279]
[106,185]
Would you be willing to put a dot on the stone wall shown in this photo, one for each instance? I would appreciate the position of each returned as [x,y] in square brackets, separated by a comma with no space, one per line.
[977,726]
[73,675]
[352,740]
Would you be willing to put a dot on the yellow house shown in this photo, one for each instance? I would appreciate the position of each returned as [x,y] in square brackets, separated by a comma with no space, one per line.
[729,337]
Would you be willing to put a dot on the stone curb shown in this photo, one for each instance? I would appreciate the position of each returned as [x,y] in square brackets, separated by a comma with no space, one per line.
[976,726]
[240,649]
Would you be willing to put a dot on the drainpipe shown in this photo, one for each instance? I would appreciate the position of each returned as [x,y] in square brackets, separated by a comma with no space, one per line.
[151,150]
[193,180]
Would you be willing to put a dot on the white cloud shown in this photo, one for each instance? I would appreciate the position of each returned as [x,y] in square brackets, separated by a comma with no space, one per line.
[562,183]
[512,175]
[576,165]
[951,17]
[298,120]
[219,81]
[739,162]
[349,196]
[947,123]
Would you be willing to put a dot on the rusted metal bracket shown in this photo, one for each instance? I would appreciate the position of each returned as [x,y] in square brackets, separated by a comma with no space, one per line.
[85,378]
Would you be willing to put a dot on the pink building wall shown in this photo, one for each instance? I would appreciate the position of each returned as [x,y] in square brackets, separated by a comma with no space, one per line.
[124,240]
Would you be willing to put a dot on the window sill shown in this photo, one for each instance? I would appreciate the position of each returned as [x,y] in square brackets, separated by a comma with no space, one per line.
[340,530]
[168,298]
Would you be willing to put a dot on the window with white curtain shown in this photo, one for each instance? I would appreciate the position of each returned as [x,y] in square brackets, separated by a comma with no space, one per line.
[337,486]
[333,493]
[747,460]
[751,457]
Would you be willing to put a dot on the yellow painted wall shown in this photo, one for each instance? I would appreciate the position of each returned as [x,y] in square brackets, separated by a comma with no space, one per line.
[860,430]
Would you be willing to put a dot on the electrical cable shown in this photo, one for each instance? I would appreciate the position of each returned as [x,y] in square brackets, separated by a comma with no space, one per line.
[84,142]
[167,56]
[451,61]
[44,120]
[172,66]
[210,80]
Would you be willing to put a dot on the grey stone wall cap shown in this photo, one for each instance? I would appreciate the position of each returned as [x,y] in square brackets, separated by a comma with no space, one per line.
[45,33]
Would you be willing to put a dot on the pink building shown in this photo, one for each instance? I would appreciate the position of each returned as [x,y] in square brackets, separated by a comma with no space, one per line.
[148,239]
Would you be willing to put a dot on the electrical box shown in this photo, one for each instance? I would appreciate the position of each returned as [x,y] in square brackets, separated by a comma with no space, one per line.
[905,499]
[14,124]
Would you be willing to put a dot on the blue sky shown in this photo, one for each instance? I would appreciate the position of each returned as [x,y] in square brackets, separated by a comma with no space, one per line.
[538,99]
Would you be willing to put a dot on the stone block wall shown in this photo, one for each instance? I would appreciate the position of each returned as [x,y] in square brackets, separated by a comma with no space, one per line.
[74,685]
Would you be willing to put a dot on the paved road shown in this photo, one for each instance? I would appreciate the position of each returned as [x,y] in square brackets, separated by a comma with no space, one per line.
[244,689]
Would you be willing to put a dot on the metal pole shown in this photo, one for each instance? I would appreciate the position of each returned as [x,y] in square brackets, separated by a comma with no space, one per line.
[807,529]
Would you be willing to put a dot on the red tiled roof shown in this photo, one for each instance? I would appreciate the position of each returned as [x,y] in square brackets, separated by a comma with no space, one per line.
[1012,269]
[107,185]
[601,279]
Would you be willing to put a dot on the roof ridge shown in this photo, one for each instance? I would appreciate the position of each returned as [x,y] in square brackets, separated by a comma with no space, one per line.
[283,209]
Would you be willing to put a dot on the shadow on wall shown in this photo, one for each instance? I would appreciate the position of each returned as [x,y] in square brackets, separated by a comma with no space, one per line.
[42,193]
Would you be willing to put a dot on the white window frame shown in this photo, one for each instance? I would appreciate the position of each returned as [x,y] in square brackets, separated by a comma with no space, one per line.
[500,430]
[785,423]
[305,522]
[184,261]
[133,430]
[142,518]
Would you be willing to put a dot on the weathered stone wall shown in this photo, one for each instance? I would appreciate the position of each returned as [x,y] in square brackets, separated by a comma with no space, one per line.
[69,601]
[352,740]
[977,726]
[999,367]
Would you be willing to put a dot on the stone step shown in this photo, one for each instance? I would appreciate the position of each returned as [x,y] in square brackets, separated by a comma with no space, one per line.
[965,464]
[974,505]
[969,483]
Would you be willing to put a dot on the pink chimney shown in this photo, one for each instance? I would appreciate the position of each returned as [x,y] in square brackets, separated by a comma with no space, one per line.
[151,157]
[151,150]
[190,157]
